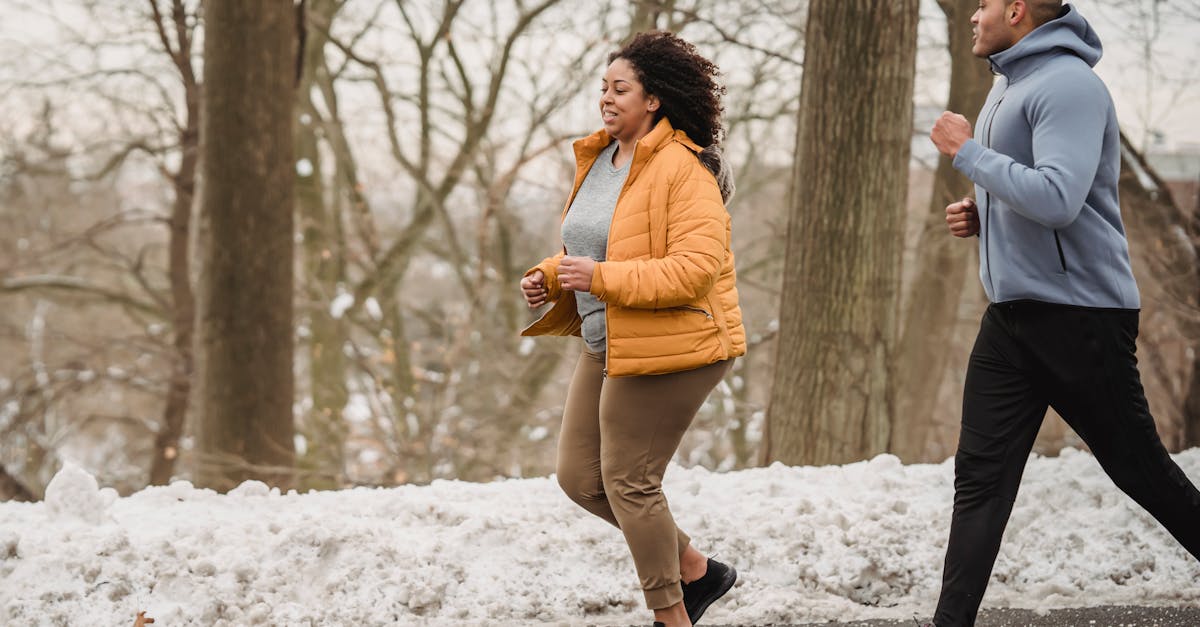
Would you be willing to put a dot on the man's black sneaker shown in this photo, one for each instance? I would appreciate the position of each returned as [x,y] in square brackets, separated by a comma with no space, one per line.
[701,593]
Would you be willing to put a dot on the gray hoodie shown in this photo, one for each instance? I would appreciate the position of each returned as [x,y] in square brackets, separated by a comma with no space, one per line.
[1045,161]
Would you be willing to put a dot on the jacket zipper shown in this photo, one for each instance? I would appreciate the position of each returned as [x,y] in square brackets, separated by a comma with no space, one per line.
[629,177]
[628,181]
[987,218]
[607,243]
[1062,259]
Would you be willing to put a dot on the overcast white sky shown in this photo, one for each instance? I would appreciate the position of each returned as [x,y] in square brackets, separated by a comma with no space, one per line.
[1166,99]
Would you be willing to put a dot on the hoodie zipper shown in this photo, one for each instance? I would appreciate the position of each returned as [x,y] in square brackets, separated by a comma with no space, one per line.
[987,218]
[1062,259]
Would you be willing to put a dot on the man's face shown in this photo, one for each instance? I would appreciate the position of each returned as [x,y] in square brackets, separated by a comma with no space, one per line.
[990,23]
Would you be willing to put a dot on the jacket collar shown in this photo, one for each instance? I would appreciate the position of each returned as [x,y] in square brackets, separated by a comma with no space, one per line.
[659,137]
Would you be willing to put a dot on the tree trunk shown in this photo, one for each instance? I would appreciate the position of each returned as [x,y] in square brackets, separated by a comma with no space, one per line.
[323,427]
[646,15]
[1191,403]
[831,398]
[1191,407]
[183,303]
[11,488]
[246,428]
[933,301]
[1164,260]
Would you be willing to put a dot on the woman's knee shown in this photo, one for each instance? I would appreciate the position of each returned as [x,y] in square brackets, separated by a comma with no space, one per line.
[632,493]
[579,485]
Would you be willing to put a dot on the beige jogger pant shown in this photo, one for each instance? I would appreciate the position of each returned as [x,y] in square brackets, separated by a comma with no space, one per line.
[617,436]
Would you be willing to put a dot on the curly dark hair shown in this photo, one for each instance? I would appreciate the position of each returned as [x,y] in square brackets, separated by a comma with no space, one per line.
[683,80]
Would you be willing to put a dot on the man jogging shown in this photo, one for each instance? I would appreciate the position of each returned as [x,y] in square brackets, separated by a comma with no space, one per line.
[1061,327]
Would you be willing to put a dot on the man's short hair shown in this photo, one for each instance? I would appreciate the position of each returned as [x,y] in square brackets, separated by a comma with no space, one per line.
[1041,11]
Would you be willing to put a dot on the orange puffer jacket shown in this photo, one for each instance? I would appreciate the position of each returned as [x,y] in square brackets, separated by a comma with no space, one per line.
[668,282]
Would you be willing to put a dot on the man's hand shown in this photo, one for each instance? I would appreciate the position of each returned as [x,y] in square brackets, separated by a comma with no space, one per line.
[950,132]
[963,218]
[575,273]
[534,288]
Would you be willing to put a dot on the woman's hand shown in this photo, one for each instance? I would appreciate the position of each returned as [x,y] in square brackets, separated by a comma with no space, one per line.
[575,273]
[534,288]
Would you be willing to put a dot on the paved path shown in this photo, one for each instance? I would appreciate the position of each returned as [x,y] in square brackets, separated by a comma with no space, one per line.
[1105,616]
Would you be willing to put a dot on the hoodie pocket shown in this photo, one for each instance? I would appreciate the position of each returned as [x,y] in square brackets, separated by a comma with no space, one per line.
[1062,259]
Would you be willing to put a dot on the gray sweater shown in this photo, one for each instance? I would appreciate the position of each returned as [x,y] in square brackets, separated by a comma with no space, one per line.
[585,234]
[1045,162]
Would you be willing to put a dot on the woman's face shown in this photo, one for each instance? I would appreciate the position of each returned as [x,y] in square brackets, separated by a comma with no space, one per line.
[627,112]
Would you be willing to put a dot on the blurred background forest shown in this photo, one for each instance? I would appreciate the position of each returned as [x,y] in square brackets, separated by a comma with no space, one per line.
[430,157]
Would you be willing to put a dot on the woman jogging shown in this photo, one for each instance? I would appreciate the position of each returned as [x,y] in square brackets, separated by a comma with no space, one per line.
[647,278]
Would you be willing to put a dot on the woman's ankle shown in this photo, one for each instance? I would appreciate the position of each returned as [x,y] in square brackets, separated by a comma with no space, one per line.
[692,565]
[674,616]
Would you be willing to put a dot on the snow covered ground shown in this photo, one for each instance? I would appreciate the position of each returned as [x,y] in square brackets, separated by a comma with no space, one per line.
[812,544]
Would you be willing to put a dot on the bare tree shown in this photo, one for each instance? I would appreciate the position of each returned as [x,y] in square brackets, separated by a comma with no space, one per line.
[323,427]
[177,37]
[832,399]
[1156,28]
[940,275]
[245,414]
[114,261]
[11,488]
[1164,246]
[425,363]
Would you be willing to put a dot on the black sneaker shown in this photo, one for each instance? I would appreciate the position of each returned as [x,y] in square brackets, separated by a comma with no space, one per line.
[701,593]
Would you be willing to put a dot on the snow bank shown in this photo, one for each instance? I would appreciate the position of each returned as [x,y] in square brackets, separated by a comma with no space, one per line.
[812,544]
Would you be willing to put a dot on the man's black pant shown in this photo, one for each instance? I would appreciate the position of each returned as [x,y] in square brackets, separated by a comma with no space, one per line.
[1081,362]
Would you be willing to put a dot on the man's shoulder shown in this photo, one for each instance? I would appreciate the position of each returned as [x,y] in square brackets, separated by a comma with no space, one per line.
[1067,80]
[1069,70]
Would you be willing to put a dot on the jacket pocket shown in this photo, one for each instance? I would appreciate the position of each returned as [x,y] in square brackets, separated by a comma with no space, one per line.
[697,310]
[680,320]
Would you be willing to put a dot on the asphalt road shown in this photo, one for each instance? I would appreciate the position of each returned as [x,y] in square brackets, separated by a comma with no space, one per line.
[1104,616]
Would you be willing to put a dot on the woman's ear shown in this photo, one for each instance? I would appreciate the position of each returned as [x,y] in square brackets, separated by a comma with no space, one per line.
[652,103]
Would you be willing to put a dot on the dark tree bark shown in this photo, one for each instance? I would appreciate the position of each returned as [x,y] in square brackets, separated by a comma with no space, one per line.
[246,426]
[933,302]
[831,399]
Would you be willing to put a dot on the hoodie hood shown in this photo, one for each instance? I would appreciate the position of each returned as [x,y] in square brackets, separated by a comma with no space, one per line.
[1069,33]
